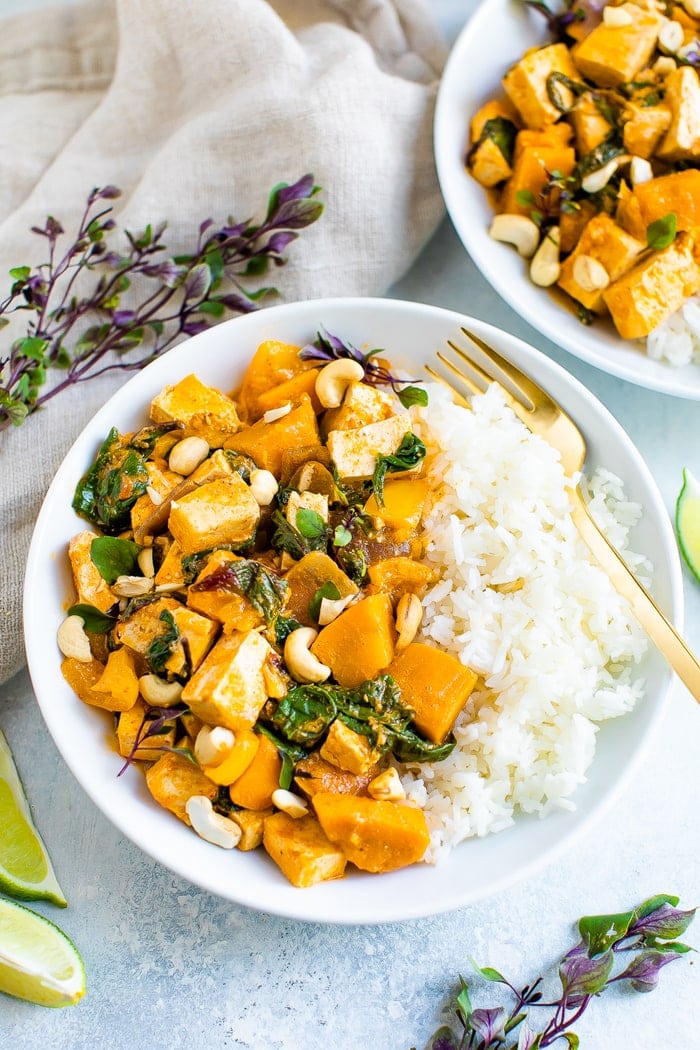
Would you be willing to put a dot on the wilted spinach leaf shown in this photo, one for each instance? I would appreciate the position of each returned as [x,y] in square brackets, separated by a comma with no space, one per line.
[114,557]
[110,487]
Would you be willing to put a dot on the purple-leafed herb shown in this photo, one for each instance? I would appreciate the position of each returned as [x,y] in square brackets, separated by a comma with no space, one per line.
[155,722]
[328,347]
[587,969]
[87,333]
[567,13]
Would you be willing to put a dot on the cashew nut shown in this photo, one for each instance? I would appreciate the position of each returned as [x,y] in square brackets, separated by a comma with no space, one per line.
[409,613]
[590,274]
[598,179]
[187,455]
[145,561]
[692,7]
[213,744]
[277,413]
[132,586]
[211,826]
[333,380]
[289,803]
[518,230]
[157,692]
[664,65]
[154,496]
[302,665]
[73,641]
[640,170]
[331,608]
[616,17]
[545,268]
[263,485]
[386,787]
[671,36]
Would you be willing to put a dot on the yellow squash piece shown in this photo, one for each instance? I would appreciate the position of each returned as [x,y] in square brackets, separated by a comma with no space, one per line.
[173,779]
[435,684]
[375,836]
[360,642]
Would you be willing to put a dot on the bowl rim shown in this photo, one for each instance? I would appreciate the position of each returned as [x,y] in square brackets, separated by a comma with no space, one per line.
[466,201]
[306,905]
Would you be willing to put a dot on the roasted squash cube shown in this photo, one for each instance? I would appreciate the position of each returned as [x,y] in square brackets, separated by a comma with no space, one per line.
[374,835]
[132,728]
[291,391]
[223,511]
[526,83]
[435,684]
[117,688]
[399,576]
[314,774]
[301,850]
[81,677]
[309,574]
[234,611]
[404,501]
[532,171]
[678,192]
[229,688]
[203,410]
[254,788]
[173,779]
[359,643]
[266,443]
[272,363]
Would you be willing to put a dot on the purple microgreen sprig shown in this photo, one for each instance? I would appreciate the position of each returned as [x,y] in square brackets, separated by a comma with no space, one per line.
[100,328]
[155,722]
[328,347]
[649,931]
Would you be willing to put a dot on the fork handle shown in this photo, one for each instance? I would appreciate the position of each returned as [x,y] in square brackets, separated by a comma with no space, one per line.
[660,630]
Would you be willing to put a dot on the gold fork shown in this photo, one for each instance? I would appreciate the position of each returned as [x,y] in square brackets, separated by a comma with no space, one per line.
[543,416]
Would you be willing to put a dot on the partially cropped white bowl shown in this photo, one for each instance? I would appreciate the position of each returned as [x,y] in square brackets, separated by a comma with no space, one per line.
[495,37]
[411,333]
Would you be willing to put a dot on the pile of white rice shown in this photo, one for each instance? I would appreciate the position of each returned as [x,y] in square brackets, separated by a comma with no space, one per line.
[677,339]
[520,602]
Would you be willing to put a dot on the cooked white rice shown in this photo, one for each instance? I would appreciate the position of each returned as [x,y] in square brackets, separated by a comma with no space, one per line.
[555,650]
[677,339]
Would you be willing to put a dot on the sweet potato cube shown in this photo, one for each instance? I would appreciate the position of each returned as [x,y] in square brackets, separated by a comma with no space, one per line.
[678,192]
[238,759]
[254,787]
[223,511]
[301,850]
[404,500]
[643,128]
[271,364]
[305,578]
[348,750]
[265,443]
[611,55]
[234,611]
[435,684]
[399,576]
[290,391]
[682,96]
[607,243]
[532,170]
[355,452]
[229,687]
[654,289]
[360,642]
[526,83]
[89,586]
[173,779]
[132,727]
[572,224]
[117,688]
[203,410]
[374,835]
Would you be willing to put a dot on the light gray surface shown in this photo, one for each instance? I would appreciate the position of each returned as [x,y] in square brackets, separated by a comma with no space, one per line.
[170,966]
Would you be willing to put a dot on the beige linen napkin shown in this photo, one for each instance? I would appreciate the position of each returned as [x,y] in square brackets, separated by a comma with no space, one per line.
[196,110]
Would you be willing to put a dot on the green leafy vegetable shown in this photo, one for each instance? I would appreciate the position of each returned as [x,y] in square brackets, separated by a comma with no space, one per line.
[648,931]
[413,395]
[94,619]
[326,590]
[409,454]
[501,132]
[114,557]
[265,591]
[310,524]
[555,81]
[290,539]
[284,625]
[341,536]
[110,487]
[662,232]
[163,645]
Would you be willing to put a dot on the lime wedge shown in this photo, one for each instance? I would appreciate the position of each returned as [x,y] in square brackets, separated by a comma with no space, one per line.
[25,868]
[37,961]
[688,522]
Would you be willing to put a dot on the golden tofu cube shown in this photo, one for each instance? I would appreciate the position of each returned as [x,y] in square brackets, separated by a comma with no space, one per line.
[607,243]
[252,825]
[216,466]
[355,452]
[348,750]
[488,164]
[147,624]
[223,511]
[234,611]
[301,849]
[361,405]
[90,588]
[229,688]
[589,124]
[643,128]
[611,55]
[314,501]
[203,410]
[654,289]
[133,727]
[173,779]
[526,83]
[682,140]
[162,482]
[170,570]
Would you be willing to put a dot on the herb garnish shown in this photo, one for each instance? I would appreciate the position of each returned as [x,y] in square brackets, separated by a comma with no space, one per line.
[409,454]
[110,487]
[163,645]
[265,591]
[662,232]
[114,557]
[93,618]
[650,931]
[185,294]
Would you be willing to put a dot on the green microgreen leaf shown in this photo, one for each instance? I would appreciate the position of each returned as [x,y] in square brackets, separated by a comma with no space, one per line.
[341,536]
[94,619]
[114,557]
[662,232]
[310,523]
[413,395]
[326,590]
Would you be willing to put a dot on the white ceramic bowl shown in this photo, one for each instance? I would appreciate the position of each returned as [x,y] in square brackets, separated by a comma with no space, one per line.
[411,333]
[495,37]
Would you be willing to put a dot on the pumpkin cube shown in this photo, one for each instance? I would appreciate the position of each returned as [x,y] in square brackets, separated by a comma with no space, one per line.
[532,171]
[133,727]
[404,500]
[219,512]
[254,788]
[306,577]
[435,684]
[234,611]
[266,443]
[229,688]
[203,410]
[272,363]
[359,643]
[374,835]
[117,688]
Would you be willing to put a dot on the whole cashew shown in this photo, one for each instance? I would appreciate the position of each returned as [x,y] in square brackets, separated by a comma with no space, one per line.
[333,380]
[302,665]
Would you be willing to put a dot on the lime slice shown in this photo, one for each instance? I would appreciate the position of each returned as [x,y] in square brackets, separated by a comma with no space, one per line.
[37,961]
[25,868]
[688,522]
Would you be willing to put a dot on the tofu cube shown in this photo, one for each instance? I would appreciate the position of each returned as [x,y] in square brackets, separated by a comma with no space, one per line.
[203,410]
[162,482]
[654,289]
[348,750]
[145,625]
[355,452]
[173,779]
[361,405]
[526,83]
[90,588]
[170,570]
[589,124]
[611,55]
[607,243]
[252,825]
[314,501]
[216,466]
[229,688]
[218,512]
[301,850]
[643,128]
[682,140]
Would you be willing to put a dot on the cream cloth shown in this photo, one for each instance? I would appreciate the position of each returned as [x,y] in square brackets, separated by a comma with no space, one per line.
[196,110]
